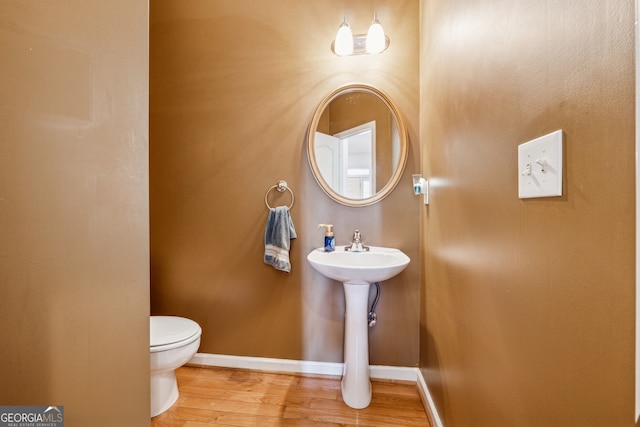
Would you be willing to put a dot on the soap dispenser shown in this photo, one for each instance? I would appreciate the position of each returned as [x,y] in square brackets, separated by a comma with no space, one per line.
[329,240]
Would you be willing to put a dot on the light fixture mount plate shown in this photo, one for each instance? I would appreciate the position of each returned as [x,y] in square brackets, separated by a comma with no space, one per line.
[360,44]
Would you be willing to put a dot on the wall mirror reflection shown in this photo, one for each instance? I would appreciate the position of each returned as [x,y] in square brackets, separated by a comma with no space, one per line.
[357,145]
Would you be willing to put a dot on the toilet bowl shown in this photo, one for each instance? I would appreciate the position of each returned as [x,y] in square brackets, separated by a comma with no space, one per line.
[174,341]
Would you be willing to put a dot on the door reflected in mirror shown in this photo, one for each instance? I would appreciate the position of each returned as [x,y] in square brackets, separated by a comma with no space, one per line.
[357,145]
[347,160]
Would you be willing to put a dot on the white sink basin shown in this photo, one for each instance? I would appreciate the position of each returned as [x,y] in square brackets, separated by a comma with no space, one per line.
[357,270]
[375,265]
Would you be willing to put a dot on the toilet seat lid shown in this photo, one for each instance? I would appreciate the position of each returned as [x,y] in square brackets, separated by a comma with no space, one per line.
[171,329]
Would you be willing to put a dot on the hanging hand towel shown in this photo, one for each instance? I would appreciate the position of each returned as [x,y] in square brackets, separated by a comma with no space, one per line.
[277,238]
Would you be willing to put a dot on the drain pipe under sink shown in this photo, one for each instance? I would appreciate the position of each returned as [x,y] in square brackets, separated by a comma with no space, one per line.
[372,318]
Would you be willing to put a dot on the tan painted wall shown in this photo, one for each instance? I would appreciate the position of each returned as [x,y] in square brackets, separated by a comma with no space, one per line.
[233,88]
[528,306]
[74,257]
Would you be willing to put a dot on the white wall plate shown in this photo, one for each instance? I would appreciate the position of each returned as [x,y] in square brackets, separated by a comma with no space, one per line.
[540,166]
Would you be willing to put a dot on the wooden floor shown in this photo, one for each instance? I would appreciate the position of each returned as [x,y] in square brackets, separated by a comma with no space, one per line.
[231,397]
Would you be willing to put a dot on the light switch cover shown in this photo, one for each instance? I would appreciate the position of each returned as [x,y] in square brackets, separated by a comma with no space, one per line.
[540,166]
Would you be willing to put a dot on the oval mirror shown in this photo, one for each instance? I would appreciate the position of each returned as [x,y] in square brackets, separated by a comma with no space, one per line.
[357,145]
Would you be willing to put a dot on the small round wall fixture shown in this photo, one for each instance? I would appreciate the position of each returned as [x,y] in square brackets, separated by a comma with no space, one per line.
[357,145]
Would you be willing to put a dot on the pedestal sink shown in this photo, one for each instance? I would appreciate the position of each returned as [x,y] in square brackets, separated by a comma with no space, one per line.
[357,270]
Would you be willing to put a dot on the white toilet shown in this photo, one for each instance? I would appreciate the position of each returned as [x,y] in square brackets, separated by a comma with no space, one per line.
[174,341]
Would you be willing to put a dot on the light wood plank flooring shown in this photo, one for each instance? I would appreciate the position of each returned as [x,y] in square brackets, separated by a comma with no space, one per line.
[233,397]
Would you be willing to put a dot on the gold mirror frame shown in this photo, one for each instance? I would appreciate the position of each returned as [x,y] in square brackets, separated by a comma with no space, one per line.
[402,135]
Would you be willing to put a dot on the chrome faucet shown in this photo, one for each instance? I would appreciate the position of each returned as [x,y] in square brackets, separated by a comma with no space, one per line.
[356,244]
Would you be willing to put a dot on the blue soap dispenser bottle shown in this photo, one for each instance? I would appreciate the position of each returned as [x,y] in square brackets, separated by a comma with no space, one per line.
[329,239]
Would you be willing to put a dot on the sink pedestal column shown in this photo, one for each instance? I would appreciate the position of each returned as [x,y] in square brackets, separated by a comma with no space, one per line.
[356,387]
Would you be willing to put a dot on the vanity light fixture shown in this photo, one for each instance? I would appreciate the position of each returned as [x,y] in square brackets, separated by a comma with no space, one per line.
[375,41]
[421,186]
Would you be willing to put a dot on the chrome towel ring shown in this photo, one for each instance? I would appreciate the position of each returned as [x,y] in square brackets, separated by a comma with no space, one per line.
[281,186]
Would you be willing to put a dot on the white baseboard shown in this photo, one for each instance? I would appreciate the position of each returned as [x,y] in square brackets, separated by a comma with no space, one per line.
[396,373]
[299,366]
[427,401]
[267,364]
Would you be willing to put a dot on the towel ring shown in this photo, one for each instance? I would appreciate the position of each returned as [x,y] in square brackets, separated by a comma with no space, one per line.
[281,186]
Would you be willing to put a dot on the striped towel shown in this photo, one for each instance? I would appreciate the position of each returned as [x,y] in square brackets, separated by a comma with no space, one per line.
[277,238]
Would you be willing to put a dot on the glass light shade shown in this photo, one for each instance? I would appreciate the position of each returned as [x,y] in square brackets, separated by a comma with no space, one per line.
[375,38]
[344,40]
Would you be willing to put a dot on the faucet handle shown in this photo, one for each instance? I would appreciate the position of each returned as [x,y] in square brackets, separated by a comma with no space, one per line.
[356,236]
